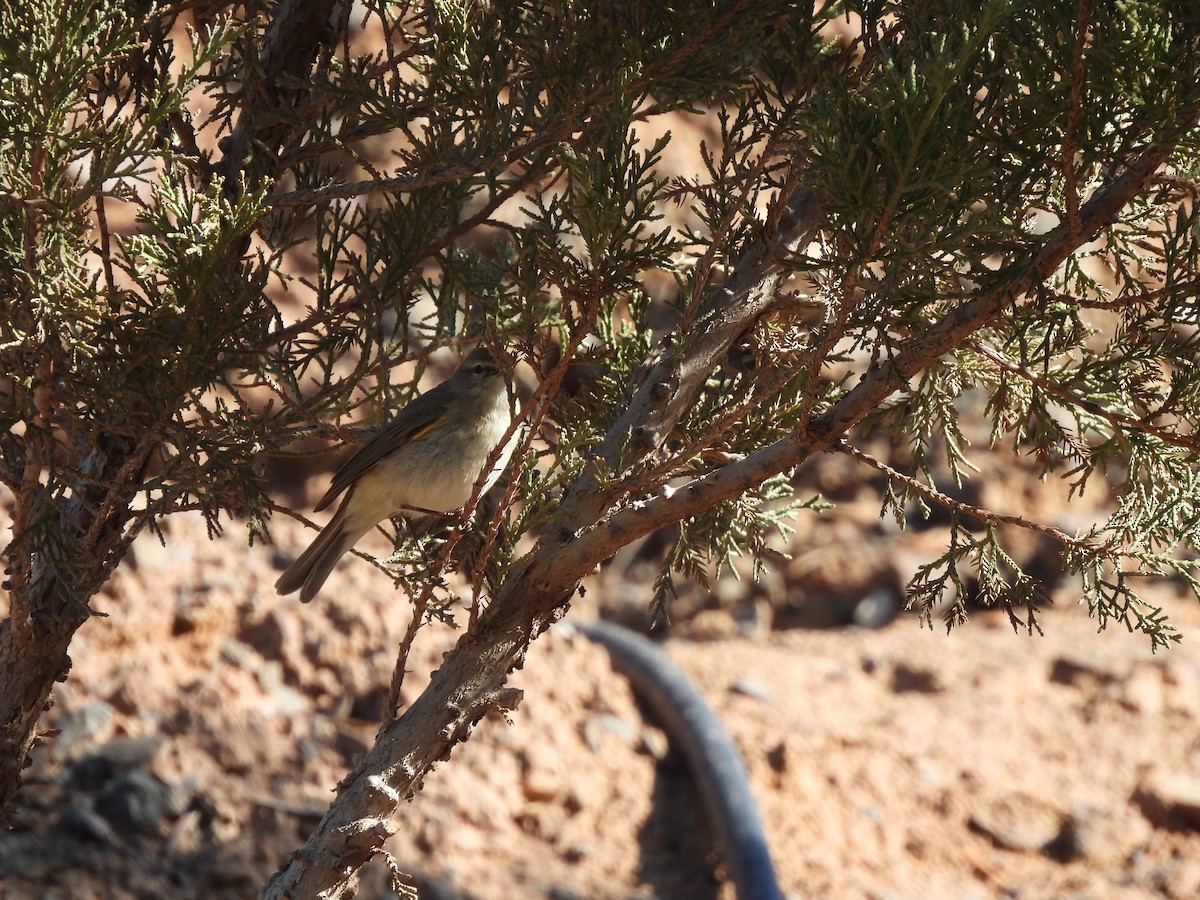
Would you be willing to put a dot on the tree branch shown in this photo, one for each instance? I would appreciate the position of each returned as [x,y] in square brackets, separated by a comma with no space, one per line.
[976,512]
[297,32]
[670,386]
[539,586]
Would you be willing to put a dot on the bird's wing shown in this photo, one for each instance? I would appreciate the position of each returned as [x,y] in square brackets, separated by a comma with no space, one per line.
[415,420]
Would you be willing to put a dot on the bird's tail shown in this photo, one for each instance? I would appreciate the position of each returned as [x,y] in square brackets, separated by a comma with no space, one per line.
[309,572]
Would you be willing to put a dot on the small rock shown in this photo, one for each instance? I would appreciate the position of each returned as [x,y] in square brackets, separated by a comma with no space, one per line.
[815,611]
[577,852]
[234,875]
[1017,823]
[1180,878]
[655,743]
[131,696]
[89,774]
[84,823]
[1144,691]
[276,635]
[908,679]
[193,609]
[1099,836]
[236,653]
[730,590]
[777,758]
[1079,673]
[121,754]
[713,625]
[755,690]
[542,775]
[283,700]
[129,752]
[1182,681]
[877,609]
[754,620]
[532,823]
[77,727]
[184,836]
[240,756]
[1170,801]
[597,729]
[136,802]
[430,835]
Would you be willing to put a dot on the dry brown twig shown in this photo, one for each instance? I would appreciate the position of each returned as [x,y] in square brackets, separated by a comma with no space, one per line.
[967,509]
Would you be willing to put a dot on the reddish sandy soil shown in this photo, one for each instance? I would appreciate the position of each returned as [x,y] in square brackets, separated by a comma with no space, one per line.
[207,721]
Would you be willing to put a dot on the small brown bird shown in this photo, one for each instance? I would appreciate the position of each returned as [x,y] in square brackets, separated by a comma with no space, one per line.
[425,461]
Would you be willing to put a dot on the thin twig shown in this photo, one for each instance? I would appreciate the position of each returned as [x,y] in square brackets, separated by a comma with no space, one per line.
[431,177]
[290,513]
[659,473]
[539,405]
[336,311]
[1074,117]
[976,512]
[1117,420]
[114,304]
[719,234]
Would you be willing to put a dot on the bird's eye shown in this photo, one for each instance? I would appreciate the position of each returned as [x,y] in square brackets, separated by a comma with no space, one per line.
[480,368]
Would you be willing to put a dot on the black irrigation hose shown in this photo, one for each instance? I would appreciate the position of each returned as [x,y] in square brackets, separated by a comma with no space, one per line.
[715,763]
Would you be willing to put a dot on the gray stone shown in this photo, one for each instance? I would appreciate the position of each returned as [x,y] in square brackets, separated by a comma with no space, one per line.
[78,727]
[136,803]
[82,822]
